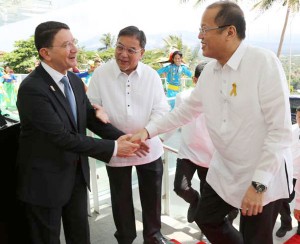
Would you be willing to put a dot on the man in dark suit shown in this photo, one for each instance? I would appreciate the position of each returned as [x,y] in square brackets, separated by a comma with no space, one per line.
[52,165]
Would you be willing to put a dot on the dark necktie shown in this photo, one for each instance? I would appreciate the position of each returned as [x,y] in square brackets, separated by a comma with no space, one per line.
[69,95]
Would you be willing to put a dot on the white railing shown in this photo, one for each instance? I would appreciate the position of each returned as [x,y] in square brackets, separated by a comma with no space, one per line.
[165,184]
[94,186]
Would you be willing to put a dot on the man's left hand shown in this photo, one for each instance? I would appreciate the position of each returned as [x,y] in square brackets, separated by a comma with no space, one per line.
[101,114]
[252,202]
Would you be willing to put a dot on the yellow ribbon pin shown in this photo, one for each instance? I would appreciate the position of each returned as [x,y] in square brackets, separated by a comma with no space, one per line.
[233,90]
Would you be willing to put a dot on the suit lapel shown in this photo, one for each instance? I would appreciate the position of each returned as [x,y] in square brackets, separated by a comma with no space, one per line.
[55,90]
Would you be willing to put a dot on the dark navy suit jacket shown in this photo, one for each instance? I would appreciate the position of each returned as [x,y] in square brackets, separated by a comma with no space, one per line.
[51,144]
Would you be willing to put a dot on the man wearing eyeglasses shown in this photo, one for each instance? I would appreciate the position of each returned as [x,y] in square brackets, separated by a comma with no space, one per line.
[244,96]
[132,95]
[53,169]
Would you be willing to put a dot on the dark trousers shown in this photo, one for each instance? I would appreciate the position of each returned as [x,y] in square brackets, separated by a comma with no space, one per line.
[218,230]
[285,211]
[150,182]
[45,223]
[185,170]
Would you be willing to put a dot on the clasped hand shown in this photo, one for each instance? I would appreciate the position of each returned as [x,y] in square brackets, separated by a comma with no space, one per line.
[127,146]
[140,136]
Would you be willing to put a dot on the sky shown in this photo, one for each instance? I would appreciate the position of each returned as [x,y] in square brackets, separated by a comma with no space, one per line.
[157,18]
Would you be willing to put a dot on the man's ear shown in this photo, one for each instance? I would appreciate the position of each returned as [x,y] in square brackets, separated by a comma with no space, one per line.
[44,52]
[231,32]
[142,54]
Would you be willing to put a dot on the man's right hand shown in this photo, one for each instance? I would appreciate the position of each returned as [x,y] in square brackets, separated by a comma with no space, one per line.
[125,147]
[140,136]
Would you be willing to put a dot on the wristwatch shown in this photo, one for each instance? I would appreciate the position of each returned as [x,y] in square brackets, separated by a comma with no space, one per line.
[260,188]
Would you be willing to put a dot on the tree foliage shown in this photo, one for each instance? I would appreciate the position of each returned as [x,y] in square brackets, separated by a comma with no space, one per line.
[291,65]
[153,58]
[108,40]
[264,5]
[107,54]
[173,42]
[290,5]
[23,57]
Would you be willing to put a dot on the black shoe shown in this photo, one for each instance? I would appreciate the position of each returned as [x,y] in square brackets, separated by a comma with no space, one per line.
[282,231]
[192,211]
[158,239]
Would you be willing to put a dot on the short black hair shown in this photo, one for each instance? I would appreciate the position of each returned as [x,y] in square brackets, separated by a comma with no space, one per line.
[136,32]
[199,68]
[45,33]
[230,14]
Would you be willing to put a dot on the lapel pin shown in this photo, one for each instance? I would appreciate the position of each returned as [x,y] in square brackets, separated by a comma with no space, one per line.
[52,88]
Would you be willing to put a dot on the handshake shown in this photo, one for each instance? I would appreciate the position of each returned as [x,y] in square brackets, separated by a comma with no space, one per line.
[128,145]
[132,145]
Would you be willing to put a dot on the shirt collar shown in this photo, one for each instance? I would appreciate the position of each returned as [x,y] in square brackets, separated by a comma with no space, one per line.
[235,59]
[55,75]
[118,72]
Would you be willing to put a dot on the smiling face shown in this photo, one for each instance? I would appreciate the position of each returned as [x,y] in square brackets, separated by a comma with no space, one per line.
[126,60]
[220,38]
[177,59]
[61,56]
[213,41]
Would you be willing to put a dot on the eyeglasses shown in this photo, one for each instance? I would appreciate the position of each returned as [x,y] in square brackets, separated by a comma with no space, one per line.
[131,51]
[68,45]
[203,30]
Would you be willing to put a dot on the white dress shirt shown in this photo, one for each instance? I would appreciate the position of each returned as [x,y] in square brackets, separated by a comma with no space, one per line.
[56,76]
[251,130]
[130,101]
[296,162]
[195,143]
